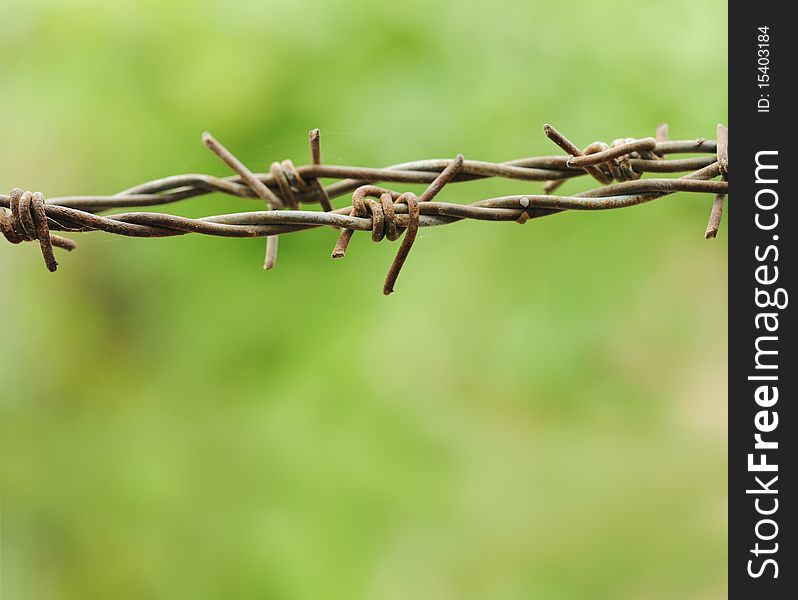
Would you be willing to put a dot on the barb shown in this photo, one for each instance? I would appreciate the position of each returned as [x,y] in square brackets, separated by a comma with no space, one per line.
[256,185]
[619,168]
[723,163]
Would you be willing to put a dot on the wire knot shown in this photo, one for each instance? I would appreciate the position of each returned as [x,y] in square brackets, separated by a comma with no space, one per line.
[383,216]
[383,224]
[289,181]
[382,213]
[605,163]
[293,188]
[26,221]
[619,168]
[614,162]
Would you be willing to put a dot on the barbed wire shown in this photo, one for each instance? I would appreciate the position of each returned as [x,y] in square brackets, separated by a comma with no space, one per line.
[618,167]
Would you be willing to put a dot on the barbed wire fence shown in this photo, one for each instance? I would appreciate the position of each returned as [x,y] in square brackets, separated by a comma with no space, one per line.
[618,168]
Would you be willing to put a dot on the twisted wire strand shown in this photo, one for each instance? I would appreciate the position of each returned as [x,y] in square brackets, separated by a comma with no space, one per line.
[619,167]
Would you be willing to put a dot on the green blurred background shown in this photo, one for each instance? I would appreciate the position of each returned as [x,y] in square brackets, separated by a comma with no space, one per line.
[538,412]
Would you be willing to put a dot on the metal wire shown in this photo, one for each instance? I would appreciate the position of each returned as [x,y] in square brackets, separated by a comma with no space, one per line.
[618,167]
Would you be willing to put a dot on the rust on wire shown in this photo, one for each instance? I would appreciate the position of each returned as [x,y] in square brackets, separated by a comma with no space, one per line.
[619,168]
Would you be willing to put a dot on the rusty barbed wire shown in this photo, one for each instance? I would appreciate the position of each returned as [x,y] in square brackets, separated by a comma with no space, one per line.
[619,167]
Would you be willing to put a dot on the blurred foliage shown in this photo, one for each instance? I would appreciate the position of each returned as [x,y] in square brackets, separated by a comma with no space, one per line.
[538,412]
